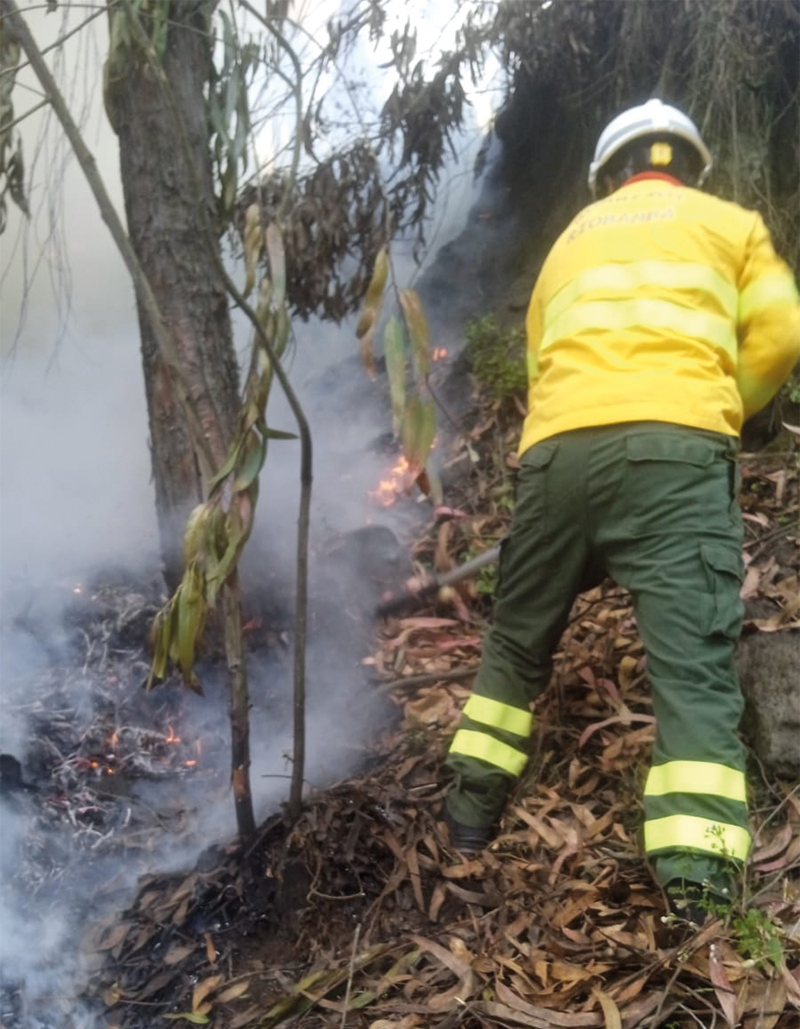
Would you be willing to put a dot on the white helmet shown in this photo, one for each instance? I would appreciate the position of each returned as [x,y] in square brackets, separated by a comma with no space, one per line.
[653,117]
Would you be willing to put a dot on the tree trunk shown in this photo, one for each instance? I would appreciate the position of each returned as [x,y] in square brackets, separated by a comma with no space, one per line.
[167,222]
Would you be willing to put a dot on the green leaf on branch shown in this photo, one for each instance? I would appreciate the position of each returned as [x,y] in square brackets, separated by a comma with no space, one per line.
[161,640]
[252,463]
[280,434]
[418,431]
[230,463]
[417,325]
[191,617]
[368,322]
[394,353]
[195,530]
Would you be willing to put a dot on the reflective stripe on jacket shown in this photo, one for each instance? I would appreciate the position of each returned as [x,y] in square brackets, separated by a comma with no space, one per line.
[659,303]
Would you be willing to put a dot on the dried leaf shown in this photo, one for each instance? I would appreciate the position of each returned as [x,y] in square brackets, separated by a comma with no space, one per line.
[233,992]
[368,322]
[253,243]
[437,899]
[722,986]
[761,1004]
[115,937]
[277,264]
[418,431]
[543,1016]
[417,333]
[611,1015]
[176,954]
[590,730]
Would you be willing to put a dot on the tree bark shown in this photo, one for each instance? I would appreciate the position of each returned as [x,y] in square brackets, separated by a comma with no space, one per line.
[167,222]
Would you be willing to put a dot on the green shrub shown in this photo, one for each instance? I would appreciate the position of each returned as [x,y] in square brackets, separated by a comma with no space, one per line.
[497,357]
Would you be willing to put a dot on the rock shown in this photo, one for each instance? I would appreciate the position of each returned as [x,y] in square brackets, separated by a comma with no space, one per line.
[769,665]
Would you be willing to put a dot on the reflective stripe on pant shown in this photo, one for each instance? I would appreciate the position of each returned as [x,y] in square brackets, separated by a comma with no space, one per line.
[654,506]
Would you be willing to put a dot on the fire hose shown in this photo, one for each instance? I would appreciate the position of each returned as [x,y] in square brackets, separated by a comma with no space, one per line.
[421,587]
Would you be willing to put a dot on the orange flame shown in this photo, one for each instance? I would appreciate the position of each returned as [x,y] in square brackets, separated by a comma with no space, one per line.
[439,354]
[171,736]
[388,490]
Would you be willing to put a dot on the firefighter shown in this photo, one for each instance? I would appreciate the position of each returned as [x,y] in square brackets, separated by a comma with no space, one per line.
[661,320]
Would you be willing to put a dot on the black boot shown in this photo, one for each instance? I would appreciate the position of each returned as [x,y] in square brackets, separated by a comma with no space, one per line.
[466,839]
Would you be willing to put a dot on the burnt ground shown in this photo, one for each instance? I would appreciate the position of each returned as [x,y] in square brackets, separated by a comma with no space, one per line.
[360,914]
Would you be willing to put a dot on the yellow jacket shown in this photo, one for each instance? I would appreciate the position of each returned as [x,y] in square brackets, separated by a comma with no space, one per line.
[659,303]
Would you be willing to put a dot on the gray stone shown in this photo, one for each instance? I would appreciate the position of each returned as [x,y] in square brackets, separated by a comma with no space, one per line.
[769,672]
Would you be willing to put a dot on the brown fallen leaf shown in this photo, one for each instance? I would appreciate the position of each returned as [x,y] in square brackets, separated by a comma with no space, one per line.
[461,968]
[203,989]
[115,936]
[542,1017]
[176,954]
[722,986]
[611,1016]
[761,1003]
[233,992]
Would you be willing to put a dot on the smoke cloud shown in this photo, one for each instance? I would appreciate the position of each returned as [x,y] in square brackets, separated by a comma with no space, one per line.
[76,500]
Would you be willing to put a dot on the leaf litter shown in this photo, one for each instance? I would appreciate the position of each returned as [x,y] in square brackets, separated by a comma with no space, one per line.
[360,914]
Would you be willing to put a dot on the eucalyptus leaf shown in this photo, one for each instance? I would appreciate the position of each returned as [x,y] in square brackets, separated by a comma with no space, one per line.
[280,434]
[394,353]
[277,264]
[255,452]
[417,325]
[418,431]
[191,615]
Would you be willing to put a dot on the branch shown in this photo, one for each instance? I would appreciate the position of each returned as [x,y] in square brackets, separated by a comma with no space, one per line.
[19,31]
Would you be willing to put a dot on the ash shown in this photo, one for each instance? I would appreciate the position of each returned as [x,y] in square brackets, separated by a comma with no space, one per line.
[98,780]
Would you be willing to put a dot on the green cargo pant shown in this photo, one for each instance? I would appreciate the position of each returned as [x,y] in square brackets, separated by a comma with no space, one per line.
[654,506]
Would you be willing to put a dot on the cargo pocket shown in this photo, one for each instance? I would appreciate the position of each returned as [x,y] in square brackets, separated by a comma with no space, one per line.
[532,491]
[675,483]
[722,609]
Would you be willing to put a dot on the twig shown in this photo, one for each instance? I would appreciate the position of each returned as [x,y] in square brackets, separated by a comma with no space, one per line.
[426,680]
[351,974]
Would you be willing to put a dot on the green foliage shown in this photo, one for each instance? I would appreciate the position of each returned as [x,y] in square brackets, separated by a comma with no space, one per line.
[219,528]
[229,114]
[497,357]
[758,938]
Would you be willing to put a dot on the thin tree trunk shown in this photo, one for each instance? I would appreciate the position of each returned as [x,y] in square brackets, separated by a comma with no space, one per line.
[239,708]
[169,204]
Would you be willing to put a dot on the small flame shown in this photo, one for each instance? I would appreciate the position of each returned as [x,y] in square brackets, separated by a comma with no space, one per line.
[190,764]
[171,736]
[439,354]
[388,490]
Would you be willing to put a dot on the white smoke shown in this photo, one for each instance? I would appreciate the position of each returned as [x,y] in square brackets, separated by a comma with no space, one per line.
[75,489]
